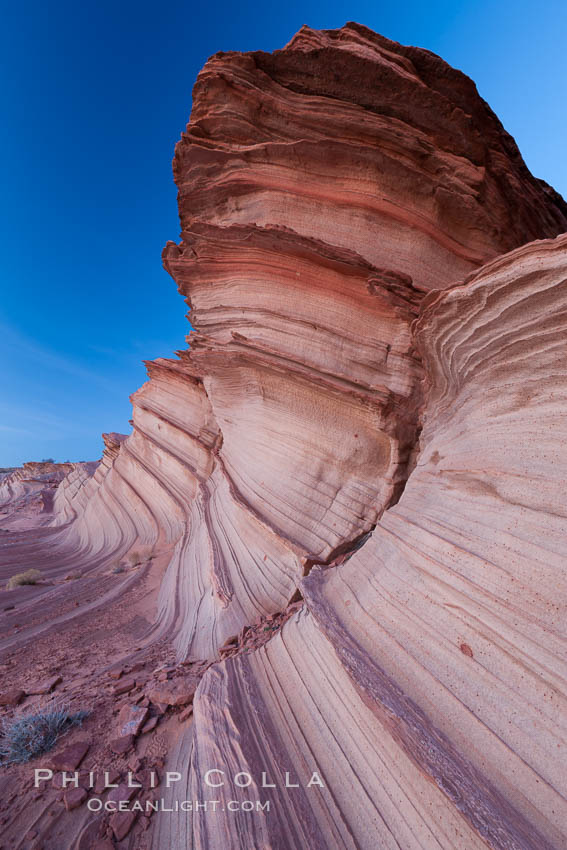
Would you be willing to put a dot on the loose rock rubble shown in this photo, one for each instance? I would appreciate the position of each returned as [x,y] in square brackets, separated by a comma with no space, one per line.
[256,635]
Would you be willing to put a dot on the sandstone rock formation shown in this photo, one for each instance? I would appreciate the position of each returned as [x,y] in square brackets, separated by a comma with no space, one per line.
[315,212]
[350,138]
[439,647]
[27,492]
[367,427]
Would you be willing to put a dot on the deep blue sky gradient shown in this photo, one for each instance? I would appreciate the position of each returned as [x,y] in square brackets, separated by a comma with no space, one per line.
[93,98]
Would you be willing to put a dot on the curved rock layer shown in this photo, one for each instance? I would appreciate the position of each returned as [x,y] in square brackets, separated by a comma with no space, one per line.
[425,678]
[27,493]
[252,453]
[322,190]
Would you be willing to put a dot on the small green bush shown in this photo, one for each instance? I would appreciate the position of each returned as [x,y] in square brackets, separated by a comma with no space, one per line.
[29,577]
[28,736]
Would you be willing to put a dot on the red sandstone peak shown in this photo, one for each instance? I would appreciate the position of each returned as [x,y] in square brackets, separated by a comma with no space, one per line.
[349,127]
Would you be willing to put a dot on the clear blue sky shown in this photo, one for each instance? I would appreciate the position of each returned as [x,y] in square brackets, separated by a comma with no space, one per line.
[93,99]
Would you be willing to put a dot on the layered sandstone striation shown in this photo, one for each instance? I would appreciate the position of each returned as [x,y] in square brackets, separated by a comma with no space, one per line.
[368,427]
[27,493]
[315,213]
[350,138]
[439,647]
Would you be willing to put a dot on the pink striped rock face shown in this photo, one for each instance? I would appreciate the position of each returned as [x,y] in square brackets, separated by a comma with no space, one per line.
[323,190]
[312,224]
[315,426]
[424,678]
[310,233]
[353,476]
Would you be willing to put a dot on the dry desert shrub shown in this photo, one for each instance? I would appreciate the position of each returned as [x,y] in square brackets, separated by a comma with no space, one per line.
[141,556]
[29,577]
[30,735]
